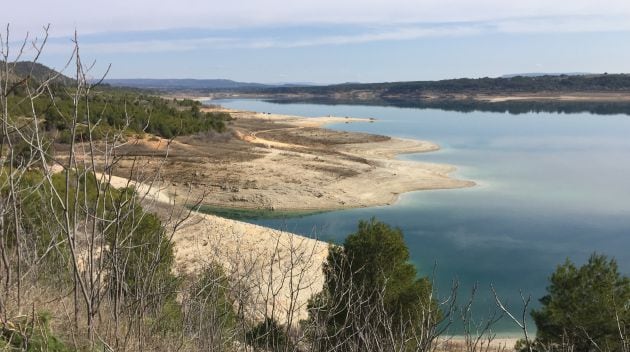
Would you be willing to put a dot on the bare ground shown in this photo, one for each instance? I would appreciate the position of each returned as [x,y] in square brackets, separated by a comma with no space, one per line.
[280,162]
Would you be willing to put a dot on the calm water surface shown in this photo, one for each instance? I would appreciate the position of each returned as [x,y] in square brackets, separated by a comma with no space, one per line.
[550,187]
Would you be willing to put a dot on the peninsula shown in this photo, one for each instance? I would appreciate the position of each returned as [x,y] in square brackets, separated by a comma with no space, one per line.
[285,163]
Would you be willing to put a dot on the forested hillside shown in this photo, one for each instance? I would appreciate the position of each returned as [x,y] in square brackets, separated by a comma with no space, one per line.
[520,84]
[23,70]
[110,108]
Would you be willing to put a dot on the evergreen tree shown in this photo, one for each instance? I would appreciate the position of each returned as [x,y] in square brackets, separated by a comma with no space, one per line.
[585,307]
[372,287]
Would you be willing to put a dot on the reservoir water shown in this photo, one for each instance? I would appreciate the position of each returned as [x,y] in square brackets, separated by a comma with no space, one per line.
[551,186]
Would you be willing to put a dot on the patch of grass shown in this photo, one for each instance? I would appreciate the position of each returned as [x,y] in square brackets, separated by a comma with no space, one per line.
[30,335]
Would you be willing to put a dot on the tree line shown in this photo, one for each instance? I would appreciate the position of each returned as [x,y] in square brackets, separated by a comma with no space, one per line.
[111,109]
[487,85]
[514,107]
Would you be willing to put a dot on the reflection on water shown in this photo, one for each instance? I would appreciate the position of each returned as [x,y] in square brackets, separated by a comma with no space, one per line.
[551,186]
[253,214]
[469,105]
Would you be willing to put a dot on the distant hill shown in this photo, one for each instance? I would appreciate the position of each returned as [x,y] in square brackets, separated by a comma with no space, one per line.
[541,74]
[192,84]
[38,72]
[486,85]
[528,83]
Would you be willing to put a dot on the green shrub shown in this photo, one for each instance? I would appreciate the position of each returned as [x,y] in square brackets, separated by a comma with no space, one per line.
[585,307]
[36,222]
[30,335]
[139,244]
[82,134]
[212,318]
[371,287]
[267,335]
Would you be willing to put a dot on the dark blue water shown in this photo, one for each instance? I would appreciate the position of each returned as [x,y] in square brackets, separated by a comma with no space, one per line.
[550,187]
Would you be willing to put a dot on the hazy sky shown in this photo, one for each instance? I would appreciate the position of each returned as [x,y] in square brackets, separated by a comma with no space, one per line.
[328,41]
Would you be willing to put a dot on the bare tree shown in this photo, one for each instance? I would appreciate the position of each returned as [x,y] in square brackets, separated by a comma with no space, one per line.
[81,217]
[520,322]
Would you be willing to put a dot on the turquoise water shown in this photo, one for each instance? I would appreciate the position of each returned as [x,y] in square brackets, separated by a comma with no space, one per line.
[550,186]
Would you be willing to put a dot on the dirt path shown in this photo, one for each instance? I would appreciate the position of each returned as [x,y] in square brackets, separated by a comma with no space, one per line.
[253,138]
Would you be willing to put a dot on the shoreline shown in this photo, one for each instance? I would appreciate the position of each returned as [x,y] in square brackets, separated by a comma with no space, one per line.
[360,95]
[294,164]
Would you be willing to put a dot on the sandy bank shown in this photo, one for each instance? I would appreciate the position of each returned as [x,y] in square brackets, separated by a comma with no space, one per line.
[551,96]
[371,96]
[459,344]
[274,272]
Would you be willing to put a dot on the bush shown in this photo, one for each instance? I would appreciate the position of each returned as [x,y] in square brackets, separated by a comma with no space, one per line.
[268,335]
[24,155]
[212,318]
[30,335]
[82,134]
[139,246]
[585,307]
[34,228]
[371,287]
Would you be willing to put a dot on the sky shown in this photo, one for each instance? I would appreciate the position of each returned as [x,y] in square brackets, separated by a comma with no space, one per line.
[326,41]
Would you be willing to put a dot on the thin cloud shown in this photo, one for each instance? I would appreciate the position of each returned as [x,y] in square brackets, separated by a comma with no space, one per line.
[574,24]
[145,46]
[188,44]
[125,15]
[359,35]
[406,33]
